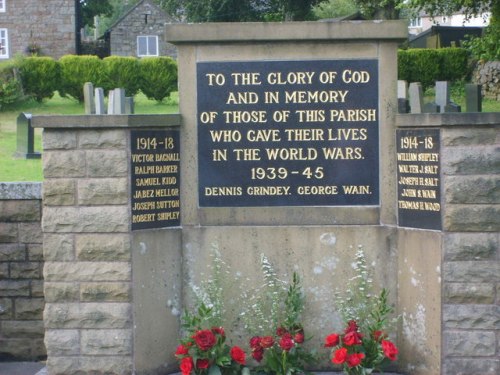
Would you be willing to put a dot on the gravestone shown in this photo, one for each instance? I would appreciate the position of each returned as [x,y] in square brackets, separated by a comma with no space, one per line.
[100,108]
[473,98]
[25,138]
[416,98]
[442,95]
[88,98]
[403,102]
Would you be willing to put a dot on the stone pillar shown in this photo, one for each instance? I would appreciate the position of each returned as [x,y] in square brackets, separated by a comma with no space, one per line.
[87,244]
[463,257]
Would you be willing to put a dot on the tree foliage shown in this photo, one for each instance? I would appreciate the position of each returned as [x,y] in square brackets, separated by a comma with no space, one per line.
[381,9]
[238,10]
[334,9]
[446,7]
[92,8]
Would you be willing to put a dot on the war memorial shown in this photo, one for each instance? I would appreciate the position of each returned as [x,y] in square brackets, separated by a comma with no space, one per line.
[288,143]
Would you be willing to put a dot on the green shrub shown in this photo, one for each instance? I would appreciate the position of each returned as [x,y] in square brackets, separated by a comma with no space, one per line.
[158,77]
[39,77]
[122,72]
[10,87]
[426,65]
[76,71]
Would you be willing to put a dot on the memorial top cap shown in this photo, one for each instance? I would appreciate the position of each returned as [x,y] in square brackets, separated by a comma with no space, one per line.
[245,32]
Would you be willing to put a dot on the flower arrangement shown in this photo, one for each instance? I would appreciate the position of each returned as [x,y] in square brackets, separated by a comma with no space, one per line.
[364,346]
[280,350]
[204,350]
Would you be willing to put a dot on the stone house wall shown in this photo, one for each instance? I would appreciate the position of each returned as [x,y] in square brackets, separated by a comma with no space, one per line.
[48,24]
[21,266]
[145,19]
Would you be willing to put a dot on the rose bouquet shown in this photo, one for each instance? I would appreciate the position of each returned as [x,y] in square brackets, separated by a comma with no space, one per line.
[205,351]
[282,352]
[360,354]
[363,347]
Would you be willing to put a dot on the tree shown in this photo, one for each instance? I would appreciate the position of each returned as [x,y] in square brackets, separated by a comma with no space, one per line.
[91,8]
[445,7]
[334,9]
[238,10]
[381,9]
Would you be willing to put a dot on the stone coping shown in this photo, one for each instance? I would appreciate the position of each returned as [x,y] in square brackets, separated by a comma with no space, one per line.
[286,31]
[106,121]
[448,119]
[20,190]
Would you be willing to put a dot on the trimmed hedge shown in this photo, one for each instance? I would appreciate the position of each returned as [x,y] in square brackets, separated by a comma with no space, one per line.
[10,87]
[158,77]
[76,71]
[122,72]
[39,77]
[427,65]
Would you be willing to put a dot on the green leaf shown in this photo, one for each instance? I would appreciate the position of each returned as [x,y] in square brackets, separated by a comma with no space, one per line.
[214,370]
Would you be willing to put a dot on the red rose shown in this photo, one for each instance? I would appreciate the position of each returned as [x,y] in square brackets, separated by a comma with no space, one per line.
[352,326]
[181,350]
[238,355]
[266,341]
[205,339]
[219,331]
[339,356]
[299,337]
[258,354]
[390,350]
[202,363]
[255,342]
[354,359]
[280,331]
[352,338]
[186,365]
[286,342]
[331,340]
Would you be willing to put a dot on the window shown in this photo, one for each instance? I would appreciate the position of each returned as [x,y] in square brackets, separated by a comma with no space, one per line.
[4,44]
[147,45]
[2,5]
[416,22]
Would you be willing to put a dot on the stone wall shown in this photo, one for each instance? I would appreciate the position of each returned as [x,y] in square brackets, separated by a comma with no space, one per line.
[470,162]
[48,24]
[487,74]
[21,265]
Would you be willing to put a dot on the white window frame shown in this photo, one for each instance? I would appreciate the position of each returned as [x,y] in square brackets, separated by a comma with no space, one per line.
[416,22]
[147,38]
[2,6]
[4,41]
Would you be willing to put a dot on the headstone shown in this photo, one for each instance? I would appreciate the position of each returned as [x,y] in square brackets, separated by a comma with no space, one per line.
[452,107]
[431,108]
[416,97]
[129,105]
[100,108]
[88,97]
[442,94]
[25,138]
[111,102]
[473,98]
[403,103]
[119,102]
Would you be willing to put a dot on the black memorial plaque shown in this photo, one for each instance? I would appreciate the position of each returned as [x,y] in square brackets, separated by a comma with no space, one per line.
[418,178]
[288,133]
[155,160]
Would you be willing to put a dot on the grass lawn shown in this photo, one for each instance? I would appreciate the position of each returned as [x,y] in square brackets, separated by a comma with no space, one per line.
[15,169]
[12,169]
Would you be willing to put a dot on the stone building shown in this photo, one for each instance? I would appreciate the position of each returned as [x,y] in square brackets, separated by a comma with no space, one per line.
[140,32]
[47,27]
